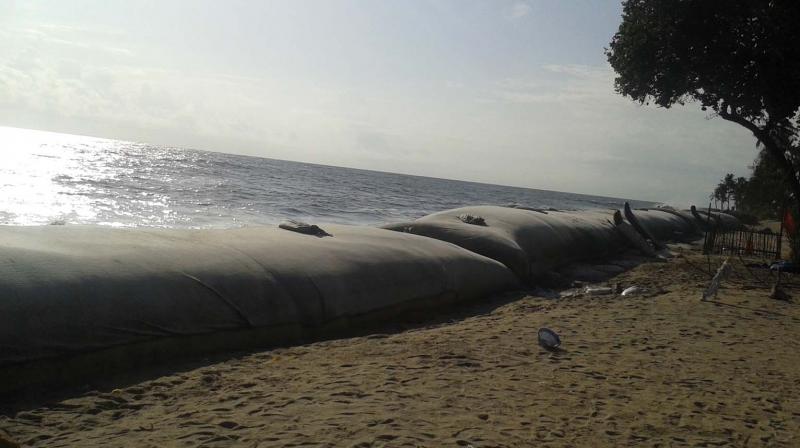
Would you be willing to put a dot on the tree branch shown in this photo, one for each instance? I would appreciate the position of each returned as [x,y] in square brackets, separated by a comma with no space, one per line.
[738,119]
[774,147]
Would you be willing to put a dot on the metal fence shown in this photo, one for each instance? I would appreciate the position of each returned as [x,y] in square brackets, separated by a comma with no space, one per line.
[743,242]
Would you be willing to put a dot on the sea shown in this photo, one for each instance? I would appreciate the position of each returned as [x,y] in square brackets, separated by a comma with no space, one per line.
[50,178]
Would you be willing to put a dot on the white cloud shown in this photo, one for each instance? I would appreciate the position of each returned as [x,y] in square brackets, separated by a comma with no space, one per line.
[571,83]
[518,10]
[581,71]
[612,144]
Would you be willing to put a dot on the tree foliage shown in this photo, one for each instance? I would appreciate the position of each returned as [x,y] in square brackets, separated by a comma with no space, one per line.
[739,58]
[762,195]
[726,191]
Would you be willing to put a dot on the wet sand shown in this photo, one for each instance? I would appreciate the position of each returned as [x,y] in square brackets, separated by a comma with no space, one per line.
[663,369]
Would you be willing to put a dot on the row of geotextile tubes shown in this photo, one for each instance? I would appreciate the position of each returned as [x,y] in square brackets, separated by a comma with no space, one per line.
[78,302]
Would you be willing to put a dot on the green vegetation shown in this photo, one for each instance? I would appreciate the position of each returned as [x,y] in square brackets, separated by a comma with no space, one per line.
[763,194]
[739,58]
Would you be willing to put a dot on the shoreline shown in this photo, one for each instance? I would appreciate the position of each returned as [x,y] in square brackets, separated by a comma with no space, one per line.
[665,369]
[91,301]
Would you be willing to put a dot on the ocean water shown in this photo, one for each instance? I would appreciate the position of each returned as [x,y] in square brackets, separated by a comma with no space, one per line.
[49,178]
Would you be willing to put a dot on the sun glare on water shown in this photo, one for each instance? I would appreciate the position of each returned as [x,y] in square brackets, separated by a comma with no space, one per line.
[36,168]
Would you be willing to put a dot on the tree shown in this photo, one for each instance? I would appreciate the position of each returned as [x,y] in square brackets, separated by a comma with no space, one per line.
[739,191]
[719,195]
[725,191]
[739,58]
[762,195]
[730,188]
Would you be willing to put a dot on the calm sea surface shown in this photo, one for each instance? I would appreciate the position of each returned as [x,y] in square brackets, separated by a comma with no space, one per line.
[48,178]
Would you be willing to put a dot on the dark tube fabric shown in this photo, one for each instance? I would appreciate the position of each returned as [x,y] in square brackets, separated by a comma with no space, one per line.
[665,225]
[73,289]
[529,242]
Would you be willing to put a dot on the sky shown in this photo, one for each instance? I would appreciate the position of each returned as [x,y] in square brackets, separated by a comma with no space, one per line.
[513,92]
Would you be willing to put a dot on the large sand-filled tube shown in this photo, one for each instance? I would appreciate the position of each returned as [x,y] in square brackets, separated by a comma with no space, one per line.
[698,226]
[79,300]
[665,225]
[717,220]
[728,222]
[529,242]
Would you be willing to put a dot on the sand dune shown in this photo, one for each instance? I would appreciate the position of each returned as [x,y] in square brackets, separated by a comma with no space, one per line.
[664,369]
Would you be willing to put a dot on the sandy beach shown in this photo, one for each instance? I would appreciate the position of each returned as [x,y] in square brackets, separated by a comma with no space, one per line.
[414,223]
[658,369]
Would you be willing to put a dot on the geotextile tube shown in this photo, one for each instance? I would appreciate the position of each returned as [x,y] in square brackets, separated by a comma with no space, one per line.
[665,225]
[728,222]
[83,300]
[697,227]
[529,242]
[643,231]
[718,221]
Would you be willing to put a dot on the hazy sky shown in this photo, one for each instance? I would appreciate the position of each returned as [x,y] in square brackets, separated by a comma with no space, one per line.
[509,92]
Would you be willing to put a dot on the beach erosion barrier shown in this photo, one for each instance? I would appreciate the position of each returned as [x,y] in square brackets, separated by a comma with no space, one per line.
[714,220]
[534,242]
[529,242]
[666,224]
[86,301]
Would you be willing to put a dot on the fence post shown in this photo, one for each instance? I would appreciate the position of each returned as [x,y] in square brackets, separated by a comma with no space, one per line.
[708,240]
[780,234]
